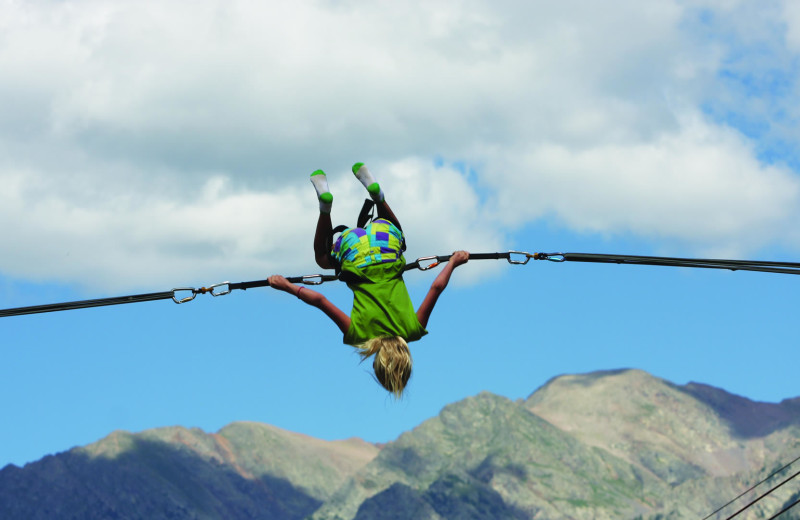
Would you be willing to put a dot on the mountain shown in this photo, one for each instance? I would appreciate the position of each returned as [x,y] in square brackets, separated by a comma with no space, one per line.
[247,470]
[675,432]
[617,444]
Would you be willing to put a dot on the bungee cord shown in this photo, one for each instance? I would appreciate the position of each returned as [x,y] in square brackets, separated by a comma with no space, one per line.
[732,265]
[178,295]
[186,294]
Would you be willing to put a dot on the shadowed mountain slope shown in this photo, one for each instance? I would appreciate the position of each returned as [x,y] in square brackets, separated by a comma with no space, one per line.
[247,470]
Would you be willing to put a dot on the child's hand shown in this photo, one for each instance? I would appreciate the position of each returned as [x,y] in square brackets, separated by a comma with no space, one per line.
[279,282]
[459,258]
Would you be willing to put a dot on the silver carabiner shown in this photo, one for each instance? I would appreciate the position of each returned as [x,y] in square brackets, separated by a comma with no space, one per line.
[308,279]
[519,262]
[426,258]
[183,300]
[212,289]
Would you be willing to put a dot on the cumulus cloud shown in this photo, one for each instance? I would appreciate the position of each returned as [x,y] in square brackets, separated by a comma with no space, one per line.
[701,186]
[168,142]
[128,239]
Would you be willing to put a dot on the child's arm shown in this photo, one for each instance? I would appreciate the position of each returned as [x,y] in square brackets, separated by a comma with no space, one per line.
[438,285]
[312,298]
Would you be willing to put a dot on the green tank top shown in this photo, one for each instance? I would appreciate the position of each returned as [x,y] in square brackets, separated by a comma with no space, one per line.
[381,304]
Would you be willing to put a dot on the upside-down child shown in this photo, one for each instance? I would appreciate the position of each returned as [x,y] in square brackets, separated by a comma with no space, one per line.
[382,320]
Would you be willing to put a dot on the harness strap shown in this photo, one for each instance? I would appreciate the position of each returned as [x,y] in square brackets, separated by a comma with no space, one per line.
[365,215]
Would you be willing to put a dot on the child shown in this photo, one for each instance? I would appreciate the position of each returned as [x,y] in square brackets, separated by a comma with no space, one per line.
[382,320]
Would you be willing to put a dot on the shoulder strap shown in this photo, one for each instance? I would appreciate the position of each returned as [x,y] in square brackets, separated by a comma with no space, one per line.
[366,213]
[329,245]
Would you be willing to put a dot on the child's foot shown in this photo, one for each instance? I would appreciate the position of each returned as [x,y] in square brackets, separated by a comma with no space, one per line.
[362,174]
[320,182]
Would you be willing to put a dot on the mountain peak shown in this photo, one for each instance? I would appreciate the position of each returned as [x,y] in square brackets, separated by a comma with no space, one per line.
[693,429]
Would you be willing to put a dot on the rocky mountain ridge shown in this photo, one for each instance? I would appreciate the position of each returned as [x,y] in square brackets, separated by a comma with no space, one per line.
[615,444]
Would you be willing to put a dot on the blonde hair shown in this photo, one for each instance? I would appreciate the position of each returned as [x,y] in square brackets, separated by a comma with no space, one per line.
[392,363]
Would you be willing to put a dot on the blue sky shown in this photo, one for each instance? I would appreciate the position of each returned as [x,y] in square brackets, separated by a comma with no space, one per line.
[147,146]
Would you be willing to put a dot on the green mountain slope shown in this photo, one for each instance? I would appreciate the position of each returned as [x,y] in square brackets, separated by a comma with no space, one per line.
[490,447]
[620,444]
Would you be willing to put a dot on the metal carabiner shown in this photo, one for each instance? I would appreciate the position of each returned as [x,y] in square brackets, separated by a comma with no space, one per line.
[183,300]
[308,279]
[212,289]
[528,257]
[426,258]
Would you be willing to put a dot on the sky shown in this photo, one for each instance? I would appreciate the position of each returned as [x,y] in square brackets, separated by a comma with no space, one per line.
[151,145]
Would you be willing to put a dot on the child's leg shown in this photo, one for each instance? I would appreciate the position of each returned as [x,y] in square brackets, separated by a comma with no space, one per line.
[324,231]
[324,225]
[384,211]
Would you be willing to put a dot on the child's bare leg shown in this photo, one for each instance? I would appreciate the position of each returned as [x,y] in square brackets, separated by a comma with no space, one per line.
[324,230]
[385,212]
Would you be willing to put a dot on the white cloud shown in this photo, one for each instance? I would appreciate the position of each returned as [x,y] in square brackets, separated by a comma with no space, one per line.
[144,143]
[126,240]
[701,186]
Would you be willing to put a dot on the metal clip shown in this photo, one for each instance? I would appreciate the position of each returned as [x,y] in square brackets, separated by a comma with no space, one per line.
[309,279]
[212,289]
[554,257]
[519,262]
[183,300]
[426,258]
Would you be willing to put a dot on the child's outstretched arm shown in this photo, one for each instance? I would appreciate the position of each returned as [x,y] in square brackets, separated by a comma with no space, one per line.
[313,298]
[438,285]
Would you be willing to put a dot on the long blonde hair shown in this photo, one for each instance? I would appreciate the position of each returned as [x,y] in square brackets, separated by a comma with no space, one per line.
[392,363]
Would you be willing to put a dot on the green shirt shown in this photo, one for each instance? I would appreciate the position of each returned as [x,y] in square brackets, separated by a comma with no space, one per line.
[381,304]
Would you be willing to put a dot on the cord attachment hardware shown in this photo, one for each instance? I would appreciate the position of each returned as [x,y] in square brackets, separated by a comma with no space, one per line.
[435,261]
[527,256]
[177,299]
[313,279]
[214,292]
[552,257]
